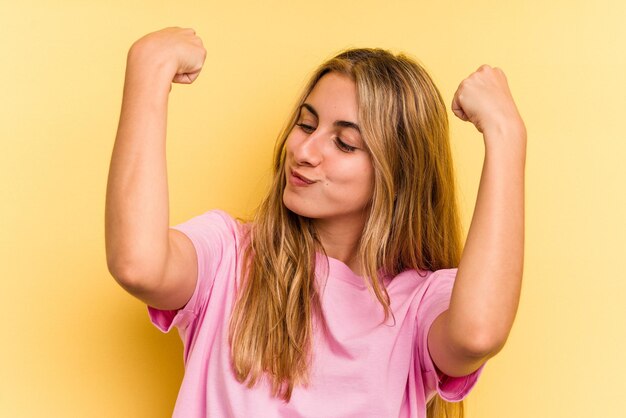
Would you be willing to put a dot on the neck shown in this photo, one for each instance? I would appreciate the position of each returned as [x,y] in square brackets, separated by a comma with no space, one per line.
[340,239]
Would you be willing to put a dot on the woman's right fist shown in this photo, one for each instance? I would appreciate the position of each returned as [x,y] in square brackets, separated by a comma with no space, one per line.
[177,51]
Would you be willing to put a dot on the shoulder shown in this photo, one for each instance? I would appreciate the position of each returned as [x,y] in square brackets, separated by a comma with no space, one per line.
[418,283]
[439,280]
[219,215]
[420,278]
[215,227]
[219,219]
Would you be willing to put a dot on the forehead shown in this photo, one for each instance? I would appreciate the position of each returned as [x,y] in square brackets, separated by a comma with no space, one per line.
[334,96]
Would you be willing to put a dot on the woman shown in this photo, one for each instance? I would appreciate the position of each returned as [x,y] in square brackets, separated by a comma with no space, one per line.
[342,297]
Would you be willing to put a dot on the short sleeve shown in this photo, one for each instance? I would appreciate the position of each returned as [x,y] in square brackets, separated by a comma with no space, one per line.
[436,300]
[213,235]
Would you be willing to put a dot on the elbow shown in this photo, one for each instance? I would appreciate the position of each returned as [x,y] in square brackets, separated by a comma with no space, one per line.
[127,276]
[121,273]
[483,345]
[478,339]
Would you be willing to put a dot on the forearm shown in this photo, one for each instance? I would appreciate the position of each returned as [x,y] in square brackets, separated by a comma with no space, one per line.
[488,283]
[137,212]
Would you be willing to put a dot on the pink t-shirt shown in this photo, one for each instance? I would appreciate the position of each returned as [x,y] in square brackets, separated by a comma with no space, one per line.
[360,368]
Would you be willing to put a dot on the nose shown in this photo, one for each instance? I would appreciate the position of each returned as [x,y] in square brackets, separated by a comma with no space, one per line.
[308,151]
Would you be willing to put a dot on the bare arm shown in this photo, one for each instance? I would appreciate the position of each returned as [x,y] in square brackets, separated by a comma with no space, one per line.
[137,231]
[488,283]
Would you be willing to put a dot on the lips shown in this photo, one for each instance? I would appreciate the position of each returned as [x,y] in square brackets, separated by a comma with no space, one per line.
[301,177]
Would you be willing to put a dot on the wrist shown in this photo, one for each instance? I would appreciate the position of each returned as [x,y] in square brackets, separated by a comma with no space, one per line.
[145,61]
[506,125]
[506,140]
[514,129]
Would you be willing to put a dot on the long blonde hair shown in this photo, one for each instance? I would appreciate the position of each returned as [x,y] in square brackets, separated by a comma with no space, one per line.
[413,221]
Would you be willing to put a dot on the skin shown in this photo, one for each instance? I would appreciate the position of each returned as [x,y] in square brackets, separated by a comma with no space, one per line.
[159,265]
[152,262]
[487,287]
[333,155]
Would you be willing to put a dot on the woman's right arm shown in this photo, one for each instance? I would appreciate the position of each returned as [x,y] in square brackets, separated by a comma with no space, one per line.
[147,258]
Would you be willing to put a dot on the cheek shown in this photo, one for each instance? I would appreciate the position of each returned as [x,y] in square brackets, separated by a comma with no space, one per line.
[293,139]
[368,183]
[288,146]
[367,179]
[357,177]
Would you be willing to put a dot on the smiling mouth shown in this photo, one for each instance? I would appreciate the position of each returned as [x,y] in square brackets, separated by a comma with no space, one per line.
[301,177]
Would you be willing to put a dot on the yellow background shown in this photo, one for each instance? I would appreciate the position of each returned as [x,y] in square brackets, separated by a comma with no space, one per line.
[74,344]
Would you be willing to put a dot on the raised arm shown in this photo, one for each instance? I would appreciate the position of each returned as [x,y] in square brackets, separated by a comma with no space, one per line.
[139,242]
[487,287]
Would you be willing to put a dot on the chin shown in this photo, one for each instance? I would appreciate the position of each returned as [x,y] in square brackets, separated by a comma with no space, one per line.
[298,207]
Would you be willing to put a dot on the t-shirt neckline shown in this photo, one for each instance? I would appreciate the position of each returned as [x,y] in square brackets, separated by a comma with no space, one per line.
[337,269]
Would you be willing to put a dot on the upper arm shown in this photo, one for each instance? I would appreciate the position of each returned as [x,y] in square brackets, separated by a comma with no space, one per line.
[448,357]
[178,281]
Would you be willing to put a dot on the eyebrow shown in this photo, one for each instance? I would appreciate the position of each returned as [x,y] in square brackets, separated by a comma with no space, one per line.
[339,123]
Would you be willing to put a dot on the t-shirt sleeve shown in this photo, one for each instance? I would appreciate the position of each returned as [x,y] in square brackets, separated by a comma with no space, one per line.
[436,300]
[213,234]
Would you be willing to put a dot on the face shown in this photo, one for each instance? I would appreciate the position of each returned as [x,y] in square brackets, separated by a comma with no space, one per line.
[328,170]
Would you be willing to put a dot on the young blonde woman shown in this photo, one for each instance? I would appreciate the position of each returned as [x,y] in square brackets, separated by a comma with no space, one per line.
[346,295]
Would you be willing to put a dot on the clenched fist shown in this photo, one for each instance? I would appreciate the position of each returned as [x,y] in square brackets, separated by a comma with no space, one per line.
[485,100]
[176,51]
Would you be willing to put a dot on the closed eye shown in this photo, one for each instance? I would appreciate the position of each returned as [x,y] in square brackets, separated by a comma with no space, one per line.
[343,146]
[306,128]
[340,144]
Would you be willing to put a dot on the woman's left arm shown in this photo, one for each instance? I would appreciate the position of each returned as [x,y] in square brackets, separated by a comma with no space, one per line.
[487,287]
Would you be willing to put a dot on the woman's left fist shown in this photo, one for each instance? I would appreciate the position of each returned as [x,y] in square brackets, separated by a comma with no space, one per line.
[484,99]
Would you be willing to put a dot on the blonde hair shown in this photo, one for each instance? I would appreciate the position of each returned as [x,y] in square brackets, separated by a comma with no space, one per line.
[413,221]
